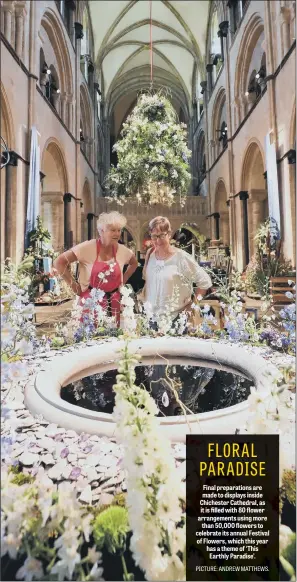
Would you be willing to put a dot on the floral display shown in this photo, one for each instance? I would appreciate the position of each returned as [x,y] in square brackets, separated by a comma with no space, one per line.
[153,157]
[154,488]
[268,260]
[59,519]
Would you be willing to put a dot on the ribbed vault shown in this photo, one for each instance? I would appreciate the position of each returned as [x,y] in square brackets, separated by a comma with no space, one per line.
[122,35]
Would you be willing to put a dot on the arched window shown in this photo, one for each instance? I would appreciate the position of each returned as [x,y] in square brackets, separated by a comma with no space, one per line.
[67,10]
[52,90]
[49,82]
[224,134]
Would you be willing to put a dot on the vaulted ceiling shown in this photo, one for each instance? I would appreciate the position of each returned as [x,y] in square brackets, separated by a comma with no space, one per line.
[122,41]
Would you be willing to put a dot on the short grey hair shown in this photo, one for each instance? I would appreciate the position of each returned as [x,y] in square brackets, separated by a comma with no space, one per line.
[110,219]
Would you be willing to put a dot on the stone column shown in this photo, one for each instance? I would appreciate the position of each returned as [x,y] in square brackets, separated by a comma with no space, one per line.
[216,216]
[90,219]
[256,219]
[71,5]
[225,236]
[209,69]
[8,9]
[20,13]
[62,8]
[69,111]
[270,66]
[33,79]
[63,107]
[243,196]
[285,17]
[81,216]
[220,35]
[76,122]
[13,161]
[67,219]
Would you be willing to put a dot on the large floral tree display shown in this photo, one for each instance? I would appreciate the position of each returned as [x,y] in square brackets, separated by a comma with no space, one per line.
[153,157]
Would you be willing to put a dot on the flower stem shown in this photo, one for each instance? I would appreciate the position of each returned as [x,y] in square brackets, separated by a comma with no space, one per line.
[125,571]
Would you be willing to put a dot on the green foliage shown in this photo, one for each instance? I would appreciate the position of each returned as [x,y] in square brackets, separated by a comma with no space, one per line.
[39,235]
[152,155]
[288,488]
[290,552]
[19,275]
[268,260]
[110,529]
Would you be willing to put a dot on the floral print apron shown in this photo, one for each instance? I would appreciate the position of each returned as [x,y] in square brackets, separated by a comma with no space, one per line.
[106,276]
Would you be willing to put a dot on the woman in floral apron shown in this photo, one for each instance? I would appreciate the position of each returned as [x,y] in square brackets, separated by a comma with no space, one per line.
[106,276]
[101,264]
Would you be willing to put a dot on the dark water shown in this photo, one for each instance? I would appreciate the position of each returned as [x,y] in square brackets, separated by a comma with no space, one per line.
[199,388]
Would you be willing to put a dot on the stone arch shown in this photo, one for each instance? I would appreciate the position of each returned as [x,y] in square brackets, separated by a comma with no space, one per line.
[221,207]
[86,122]
[250,38]
[8,134]
[54,186]
[56,35]
[252,179]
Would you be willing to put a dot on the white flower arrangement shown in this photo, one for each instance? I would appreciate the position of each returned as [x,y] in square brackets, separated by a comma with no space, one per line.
[154,488]
[128,320]
[153,157]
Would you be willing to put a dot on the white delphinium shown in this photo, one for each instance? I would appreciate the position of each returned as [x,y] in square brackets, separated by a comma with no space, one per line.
[36,510]
[272,411]
[154,488]
[127,302]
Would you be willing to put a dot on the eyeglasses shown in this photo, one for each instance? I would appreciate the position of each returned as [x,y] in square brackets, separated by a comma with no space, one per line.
[160,236]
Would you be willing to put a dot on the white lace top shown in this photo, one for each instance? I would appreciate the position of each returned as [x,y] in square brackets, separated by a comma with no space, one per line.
[169,282]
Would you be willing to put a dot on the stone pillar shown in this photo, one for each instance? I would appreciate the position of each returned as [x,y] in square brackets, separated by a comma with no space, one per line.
[209,69]
[71,6]
[220,35]
[216,216]
[91,69]
[8,221]
[69,111]
[55,224]
[20,13]
[285,17]
[62,8]
[32,77]
[243,196]
[231,224]
[223,33]
[270,67]
[225,235]
[63,107]
[8,9]
[90,219]
[76,122]
[67,219]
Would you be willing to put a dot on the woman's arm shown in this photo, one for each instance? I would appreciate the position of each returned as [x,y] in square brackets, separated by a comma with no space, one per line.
[132,266]
[61,264]
[147,256]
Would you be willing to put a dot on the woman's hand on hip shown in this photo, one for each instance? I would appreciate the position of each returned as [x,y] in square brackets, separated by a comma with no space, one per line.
[76,288]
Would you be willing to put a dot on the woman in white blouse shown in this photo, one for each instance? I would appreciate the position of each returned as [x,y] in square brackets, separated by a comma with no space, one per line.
[171,275]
